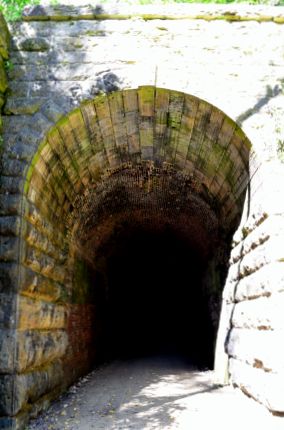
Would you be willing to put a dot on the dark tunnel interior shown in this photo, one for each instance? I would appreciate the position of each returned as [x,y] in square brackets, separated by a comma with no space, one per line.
[151,298]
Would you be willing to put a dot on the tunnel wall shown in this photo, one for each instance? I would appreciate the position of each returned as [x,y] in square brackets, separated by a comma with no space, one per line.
[43,90]
[252,315]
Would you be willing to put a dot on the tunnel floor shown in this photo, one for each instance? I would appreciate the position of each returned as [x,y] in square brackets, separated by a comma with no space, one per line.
[153,393]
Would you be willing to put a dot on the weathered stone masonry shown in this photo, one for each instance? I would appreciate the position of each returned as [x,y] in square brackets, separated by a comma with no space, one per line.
[78,165]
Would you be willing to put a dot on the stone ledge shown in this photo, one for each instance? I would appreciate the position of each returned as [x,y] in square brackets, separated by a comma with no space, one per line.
[65,12]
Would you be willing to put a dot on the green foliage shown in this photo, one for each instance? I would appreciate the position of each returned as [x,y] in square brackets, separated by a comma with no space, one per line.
[280,150]
[12,9]
[8,65]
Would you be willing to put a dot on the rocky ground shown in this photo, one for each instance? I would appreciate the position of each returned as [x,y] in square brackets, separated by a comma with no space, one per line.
[153,393]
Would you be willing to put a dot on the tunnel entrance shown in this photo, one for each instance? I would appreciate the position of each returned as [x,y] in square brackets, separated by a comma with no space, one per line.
[149,241]
[128,209]
[159,306]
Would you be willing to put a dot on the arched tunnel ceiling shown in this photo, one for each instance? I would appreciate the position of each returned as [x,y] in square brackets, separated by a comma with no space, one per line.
[149,155]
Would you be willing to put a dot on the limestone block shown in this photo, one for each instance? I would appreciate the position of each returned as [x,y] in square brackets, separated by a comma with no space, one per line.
[10,204]
[9,249]
[34,217]
[23,106]
[29,387]
[12,167]
[269,279]
[37,348]
[39,287]
[10,225]
[7,350]
[38,240]
[11,185]
[37,314]
[270,251]
[264,313]
[8,277]
[6,390]
[272,226]
[266,387]
[261,349]
[8,302]
[36,260]
[34,44]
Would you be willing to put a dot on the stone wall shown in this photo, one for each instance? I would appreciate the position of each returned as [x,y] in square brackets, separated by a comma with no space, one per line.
[59,140]
[253,295]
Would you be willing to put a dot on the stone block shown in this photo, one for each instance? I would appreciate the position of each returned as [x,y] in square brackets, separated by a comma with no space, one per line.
[36,286]
[11,185]
[37,348]
[272,226]
[10,204]
[34,44]
[264,313]
[270,251]
[8,277]
[13,167]
[261,349]
[10,225]
[7,350]
[23,106]
[28,387]
[35,259]
[9,249]
[8,303]
[265,387]
[6,395]
[267,280]
[37,314]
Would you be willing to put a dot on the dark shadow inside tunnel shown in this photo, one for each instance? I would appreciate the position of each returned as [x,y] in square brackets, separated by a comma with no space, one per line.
[151,298]
[150,257]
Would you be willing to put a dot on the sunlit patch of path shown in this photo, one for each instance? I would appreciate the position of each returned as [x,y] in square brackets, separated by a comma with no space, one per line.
[153,393]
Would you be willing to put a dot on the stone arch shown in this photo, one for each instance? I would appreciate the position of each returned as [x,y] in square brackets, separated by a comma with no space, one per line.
[172,159]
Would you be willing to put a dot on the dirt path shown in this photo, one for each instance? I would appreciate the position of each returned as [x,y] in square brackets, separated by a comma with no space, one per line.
[153,393]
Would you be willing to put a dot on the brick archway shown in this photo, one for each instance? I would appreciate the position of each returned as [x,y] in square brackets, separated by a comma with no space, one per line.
[145,159]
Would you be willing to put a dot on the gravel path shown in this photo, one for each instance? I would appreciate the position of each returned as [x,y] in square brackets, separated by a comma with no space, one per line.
[153,393]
